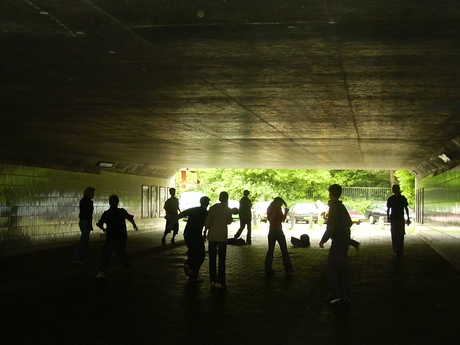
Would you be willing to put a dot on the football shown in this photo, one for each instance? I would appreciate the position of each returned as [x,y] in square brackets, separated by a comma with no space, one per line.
[235,210]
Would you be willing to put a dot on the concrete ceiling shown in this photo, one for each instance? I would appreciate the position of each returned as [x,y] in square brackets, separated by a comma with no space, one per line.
[313,84]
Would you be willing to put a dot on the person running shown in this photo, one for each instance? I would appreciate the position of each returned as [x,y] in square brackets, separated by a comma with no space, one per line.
[245,214]
[172,222]
[194,238]
[116,235]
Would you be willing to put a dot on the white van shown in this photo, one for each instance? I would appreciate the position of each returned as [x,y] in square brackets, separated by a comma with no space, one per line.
[190,199]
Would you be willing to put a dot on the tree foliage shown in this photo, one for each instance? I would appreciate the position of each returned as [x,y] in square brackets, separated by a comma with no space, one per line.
[292,185]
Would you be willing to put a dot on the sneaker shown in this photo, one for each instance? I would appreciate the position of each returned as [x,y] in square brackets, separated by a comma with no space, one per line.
[214,284]
[195,280]
[186,270]
[100,274]
[221,286]
[163,241]
[173,241]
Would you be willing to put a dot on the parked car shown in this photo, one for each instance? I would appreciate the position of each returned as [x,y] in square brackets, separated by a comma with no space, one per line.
[376,210]
[259,210]
[356,217]
[302,212]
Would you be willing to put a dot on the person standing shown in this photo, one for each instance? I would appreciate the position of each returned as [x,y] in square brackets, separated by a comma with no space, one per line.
[276,217]
[172,222]
[116,235]
[216,225]
[85,223]
[245,214]
[338,229]
[194,238]
[396,205]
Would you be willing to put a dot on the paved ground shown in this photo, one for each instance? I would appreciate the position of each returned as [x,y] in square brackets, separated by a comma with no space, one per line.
[45,299]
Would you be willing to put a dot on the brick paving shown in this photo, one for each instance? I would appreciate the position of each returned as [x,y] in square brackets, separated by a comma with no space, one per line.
[45,299]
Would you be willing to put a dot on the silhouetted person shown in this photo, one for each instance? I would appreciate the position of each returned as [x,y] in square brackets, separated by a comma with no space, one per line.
[337,229]
[219,216]
[172,210]
[85,223]
[194,238]
[245,214]
[397,203]
[116,235]
[276,217]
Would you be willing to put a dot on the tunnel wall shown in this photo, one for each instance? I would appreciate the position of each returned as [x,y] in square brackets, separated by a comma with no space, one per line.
[39,206]
[438,213]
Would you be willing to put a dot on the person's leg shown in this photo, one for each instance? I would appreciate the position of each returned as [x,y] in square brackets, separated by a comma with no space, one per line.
[269,256]
[354,244]
[337,268]
[175,229]
[248,236]
[106,253]
[120,249]
[397,236]
[167,231]
[284,252]
[85,229]
[212,249]
[240,230]
[222,251]
[196,254]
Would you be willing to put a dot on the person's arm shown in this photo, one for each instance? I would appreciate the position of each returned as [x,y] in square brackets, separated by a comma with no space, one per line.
[100,223]
[408,217]
[205,234]
[182,214]
[286,211]
[130,218]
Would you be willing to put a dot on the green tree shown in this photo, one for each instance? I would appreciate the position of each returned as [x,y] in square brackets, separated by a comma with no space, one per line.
[407,183]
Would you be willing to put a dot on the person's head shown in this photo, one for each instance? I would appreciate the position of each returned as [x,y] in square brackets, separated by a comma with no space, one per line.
[395,189]
[246,193]
[172,191]
[279,202]
[223,197]
[204,201]
[114,200]
[89,192]
[335,191]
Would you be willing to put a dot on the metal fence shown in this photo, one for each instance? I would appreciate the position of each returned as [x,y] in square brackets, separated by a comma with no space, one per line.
[366,193]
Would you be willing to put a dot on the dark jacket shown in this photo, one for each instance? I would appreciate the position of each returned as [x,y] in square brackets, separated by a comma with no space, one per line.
[195,222]
[115,218]
[338,223]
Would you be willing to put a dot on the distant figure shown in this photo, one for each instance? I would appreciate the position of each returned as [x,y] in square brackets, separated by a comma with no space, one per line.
[172,210]
[194,238]
[85,224]
[245,214]
[397,203]
[338,229]
[276,217]
[116,235]
[217,221]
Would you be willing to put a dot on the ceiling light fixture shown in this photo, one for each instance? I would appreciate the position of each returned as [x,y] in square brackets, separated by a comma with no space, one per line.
[105,164]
